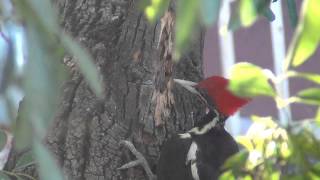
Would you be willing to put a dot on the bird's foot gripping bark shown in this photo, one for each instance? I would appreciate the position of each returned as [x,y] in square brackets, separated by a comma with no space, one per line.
[140,160]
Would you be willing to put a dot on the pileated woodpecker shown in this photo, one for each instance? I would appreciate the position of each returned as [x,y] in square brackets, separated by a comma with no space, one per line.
[199,153]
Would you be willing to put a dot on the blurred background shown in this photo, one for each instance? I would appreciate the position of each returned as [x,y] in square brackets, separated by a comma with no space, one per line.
[222,49]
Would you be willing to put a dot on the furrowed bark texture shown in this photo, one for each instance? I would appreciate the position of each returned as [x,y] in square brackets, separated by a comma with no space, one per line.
[141,103]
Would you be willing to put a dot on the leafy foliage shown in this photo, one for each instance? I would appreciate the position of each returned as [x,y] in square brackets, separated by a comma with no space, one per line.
[42,76]
[292,10]
[185,23]
[281,152]
[308,76]
[249,80]
[84,60]
[275,152]
[248,12]
[210,11]
[155,8]
[189,13]
[47,170]
[307,35]
[310,96]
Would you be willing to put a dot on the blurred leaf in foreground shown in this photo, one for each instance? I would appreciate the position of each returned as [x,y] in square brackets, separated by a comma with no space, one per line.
[48,169]
[210,11]
[266,151]
[227,175]
[187,14]
[156,9]
[49,31]
[269,14]
[25,160]
[237,161]
[310,96]
[249,80]
[292,11]
[248,13]
[317,117]
[307,35]
[308,76]
[43,80]
[4,176]
[85,63]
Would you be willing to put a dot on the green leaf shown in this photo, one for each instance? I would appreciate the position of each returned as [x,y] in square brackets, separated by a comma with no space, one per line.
[235,21]
[316,168]
[269,14]
[275,175]
[307,36]
[187,12]
[26,159]
[143,4]
[4,176]
[249,80]
[317,118]
[246,142]
[44,70]
[210,11]
[247,177]
[156,9]
[308,76]
[261,5]
[248,12]
[310,95]
[43,80]
[22,126]
[228,175]
[310,148]
[311,77]
[49,24]
[312,175]
[236,161]
[85,63]
[46,13]
[48,169]
[265,121]
[292,11]
[38,13]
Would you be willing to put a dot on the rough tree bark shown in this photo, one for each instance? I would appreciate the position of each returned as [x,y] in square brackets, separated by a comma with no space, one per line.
[141,103]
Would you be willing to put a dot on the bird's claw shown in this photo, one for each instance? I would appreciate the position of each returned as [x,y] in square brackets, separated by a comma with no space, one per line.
[140,160]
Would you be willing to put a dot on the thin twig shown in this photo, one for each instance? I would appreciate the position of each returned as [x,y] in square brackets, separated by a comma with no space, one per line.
[17,174]
[24,166]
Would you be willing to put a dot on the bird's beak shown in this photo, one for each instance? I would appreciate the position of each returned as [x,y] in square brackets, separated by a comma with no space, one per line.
[189,85]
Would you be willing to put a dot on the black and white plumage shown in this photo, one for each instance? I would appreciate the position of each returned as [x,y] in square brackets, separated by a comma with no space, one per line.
[197,154]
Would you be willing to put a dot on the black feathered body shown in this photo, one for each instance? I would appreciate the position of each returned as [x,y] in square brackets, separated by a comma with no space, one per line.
[197,154]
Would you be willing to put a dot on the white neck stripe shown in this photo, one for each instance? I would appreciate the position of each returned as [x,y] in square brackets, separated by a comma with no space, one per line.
[205,128]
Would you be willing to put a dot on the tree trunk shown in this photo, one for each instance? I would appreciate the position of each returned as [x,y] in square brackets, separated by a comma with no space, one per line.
[141,102]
